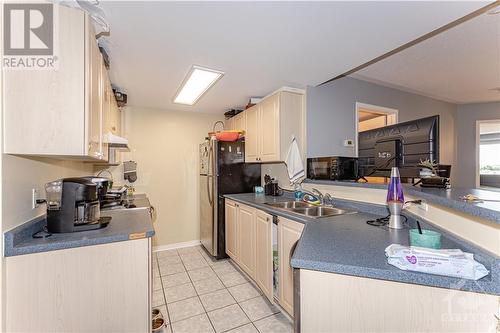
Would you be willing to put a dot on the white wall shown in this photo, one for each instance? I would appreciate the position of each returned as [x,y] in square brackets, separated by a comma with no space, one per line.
[21,174]
[467,116]
[165,146]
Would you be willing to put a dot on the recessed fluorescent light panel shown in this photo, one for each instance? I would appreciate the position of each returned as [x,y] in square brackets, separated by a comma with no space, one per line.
[197,82]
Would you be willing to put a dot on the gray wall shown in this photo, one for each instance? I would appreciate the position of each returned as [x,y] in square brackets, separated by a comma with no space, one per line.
[331,115]
[467,115]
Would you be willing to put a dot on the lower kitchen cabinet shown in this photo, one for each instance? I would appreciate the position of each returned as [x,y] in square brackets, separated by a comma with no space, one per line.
[101,288]
[288,234]
[249,239]
[231,230]
[341,303]
[264,253]
[246,239]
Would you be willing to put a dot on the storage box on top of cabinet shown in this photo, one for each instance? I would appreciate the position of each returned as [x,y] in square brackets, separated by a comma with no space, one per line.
[59,112]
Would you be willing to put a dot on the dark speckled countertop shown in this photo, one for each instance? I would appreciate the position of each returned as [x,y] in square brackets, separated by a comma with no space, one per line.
[125,224]
[347,245]
[449,198]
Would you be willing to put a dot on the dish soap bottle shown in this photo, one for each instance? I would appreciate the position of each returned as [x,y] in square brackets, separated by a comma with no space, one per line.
[298,192]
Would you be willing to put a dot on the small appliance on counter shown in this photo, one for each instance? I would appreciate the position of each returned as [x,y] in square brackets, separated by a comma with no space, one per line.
[271,186]
[73,205]
[103,185]
[332,168]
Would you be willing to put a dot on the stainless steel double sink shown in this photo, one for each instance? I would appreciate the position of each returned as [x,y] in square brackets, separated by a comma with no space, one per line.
[306,209]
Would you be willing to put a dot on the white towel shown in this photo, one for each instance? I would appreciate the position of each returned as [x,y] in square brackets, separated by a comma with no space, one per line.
[293,162]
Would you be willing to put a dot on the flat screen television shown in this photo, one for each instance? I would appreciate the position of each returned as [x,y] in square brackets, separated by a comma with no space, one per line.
[402,145]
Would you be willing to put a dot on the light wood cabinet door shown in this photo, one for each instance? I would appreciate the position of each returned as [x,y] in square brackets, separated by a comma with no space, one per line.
[44,110]
[115,122]
[252,135]
[264,253]
[229,124]
[240,121]
[288,234]
[97,93]
[106,101]
[231,230]
[269,129]
[246,239]
[61,290]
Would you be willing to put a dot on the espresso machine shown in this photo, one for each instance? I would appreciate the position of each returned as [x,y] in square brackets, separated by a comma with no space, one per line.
[73,205]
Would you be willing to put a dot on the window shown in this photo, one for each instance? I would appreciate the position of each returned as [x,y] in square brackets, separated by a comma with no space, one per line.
[489,153]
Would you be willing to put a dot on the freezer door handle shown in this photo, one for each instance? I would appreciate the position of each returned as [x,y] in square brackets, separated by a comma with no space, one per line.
[210,183]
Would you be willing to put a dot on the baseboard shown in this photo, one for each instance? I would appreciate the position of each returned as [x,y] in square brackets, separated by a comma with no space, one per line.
[176,245]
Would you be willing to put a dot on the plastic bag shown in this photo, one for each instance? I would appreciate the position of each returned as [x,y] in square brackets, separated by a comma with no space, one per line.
[451,262]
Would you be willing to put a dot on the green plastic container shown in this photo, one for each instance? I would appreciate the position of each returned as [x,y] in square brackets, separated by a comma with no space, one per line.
[429,239]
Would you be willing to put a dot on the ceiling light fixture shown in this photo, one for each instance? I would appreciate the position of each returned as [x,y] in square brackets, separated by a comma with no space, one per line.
[196,83]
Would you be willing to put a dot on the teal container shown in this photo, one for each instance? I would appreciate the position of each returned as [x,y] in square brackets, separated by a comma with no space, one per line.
[429,239]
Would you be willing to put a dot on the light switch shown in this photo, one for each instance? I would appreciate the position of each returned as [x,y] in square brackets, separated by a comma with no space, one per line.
[348,143]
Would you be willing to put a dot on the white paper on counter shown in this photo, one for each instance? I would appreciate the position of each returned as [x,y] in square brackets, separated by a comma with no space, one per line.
[448,262]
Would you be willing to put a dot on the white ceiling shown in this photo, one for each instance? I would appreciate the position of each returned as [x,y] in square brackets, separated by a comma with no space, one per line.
[460,65]
[260,45]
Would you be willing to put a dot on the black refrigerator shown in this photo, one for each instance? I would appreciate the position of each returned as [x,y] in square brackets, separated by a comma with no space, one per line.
[222,171]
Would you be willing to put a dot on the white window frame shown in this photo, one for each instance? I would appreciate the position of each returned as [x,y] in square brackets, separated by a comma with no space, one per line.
[478,143]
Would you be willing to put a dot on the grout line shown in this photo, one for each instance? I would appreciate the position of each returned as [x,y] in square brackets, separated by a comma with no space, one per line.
[198,296]
[225,288]
[164,298]
[248,299]
[238,305]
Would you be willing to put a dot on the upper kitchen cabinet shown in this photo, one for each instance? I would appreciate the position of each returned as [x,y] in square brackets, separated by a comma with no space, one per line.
[251,134]
[240,121]
[59,112]
[229,124]
[271,125]
[111,112]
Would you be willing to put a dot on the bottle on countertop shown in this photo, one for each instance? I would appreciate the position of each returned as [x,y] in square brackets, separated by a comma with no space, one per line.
[298,192]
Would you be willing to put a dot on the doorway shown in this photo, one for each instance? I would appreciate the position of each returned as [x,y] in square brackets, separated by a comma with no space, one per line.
[370,117]
[487,157]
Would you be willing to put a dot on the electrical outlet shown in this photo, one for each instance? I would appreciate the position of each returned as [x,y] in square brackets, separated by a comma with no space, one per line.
[34,197]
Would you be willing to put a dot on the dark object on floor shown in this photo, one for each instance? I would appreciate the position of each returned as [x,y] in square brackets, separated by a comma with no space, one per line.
[158,325]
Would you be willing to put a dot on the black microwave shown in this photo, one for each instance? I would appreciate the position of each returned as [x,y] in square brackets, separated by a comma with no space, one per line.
[332,168]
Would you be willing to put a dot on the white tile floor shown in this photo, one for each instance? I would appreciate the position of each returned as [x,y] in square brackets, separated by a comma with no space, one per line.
[198,294]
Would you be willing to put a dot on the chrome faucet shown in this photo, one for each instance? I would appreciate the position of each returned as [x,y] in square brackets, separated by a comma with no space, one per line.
[321,197]
[328,200]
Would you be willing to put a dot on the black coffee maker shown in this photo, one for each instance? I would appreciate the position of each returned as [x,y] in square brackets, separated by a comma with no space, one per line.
[73,205]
